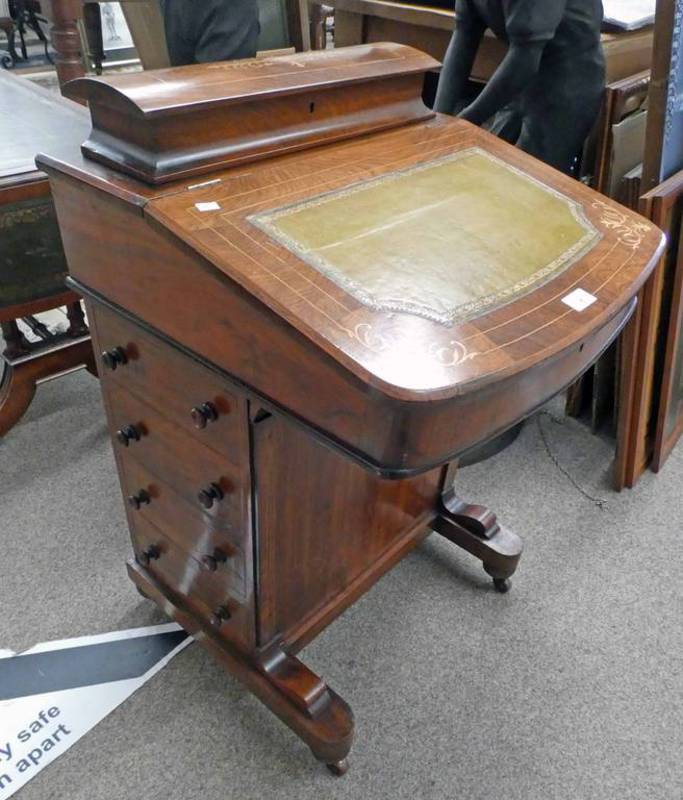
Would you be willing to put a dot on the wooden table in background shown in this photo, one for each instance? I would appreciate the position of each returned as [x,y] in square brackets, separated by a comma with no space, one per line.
[429,29]
[32,261]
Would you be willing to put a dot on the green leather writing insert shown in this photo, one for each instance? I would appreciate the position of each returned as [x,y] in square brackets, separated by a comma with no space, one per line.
[446,240]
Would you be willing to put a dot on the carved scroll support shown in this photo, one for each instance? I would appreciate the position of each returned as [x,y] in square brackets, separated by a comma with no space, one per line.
[301,699]
[476,529]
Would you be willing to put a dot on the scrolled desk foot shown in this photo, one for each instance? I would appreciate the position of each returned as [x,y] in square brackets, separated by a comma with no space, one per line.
[338,768]
[317,713]
[301,699]
[476,530]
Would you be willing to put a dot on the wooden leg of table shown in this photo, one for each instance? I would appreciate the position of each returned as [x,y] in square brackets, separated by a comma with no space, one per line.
[77,326]
[66,39]
[317,21]
[476,530]
[24,370]
[15,342]
[17,388]
[280,681]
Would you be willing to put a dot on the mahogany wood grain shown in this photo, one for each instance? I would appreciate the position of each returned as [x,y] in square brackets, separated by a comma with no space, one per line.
[198,467]
[192,531]
[346,521]
[533,344]
[670,414]
[597,389]
[203,591]
[166,380]
[143,129]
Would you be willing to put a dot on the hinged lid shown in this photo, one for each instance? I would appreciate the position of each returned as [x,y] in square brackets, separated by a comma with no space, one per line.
[172,123]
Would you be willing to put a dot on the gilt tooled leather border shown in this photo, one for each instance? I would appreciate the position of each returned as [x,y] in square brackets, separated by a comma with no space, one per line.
[267,222]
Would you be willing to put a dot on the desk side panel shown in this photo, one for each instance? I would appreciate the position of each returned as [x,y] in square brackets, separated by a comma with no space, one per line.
[326,529]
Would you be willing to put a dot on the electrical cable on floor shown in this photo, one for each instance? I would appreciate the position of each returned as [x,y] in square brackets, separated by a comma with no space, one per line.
[600,502]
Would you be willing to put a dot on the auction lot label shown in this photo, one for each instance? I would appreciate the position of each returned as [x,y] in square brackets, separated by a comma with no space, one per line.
[53,694]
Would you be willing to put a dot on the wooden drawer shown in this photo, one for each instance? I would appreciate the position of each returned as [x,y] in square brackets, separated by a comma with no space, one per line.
[195,533]
[208,594]
[207,481]
[173,383]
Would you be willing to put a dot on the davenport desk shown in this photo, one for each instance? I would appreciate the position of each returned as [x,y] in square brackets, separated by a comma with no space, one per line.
[310,295]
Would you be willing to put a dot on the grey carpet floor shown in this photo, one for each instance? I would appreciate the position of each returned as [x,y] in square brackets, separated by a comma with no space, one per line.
[570,687]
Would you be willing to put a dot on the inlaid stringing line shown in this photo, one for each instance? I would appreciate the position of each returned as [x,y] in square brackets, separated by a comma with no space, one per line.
[288,266]
[484,353]
[295,148]
[343,163]
[375,171]
[511,320]
[467,338]
[437,148]
[226,218]
[449,142]
[277,277]
[552,322]
[253,76]
[549,300]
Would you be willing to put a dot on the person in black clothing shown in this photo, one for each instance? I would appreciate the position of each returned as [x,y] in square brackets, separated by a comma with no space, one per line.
[210,30]
[546,93]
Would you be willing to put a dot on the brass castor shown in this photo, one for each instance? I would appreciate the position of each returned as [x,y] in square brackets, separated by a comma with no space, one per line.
[339,768]
[502,585]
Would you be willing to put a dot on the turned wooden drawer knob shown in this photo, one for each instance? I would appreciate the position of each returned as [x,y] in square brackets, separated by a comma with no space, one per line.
[127,434]
[152,553]
[201,414]
[114,358]
[220,615]
[211,494]
[211,562]
[139,499]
